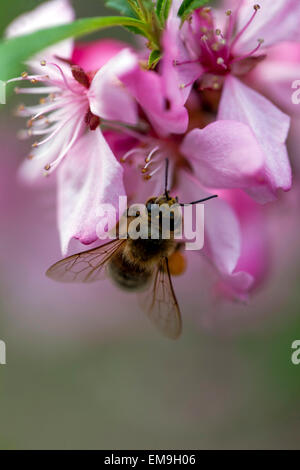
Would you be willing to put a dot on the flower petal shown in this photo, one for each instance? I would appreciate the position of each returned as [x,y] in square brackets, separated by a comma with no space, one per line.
[223,247]
[223,236]
[275,22]
[179,78]
[90,176]
[108,97]
[275,75]
[224,154]
[93,55]
[165,113]
[269,125]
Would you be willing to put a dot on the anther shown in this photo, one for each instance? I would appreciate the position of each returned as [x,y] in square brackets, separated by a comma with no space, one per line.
[33,81]
[47,167]
[42,101]
[43,63]
[228,12]
[256,7]
[24,75]
[30,157]
[260,41]
[218,32]
[35,145]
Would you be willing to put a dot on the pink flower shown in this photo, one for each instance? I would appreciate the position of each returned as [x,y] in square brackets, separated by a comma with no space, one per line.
[220,57]
[68,119]
[213,157]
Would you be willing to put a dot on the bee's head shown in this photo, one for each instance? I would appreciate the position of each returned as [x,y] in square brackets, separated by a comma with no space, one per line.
[161,200]
[158,207]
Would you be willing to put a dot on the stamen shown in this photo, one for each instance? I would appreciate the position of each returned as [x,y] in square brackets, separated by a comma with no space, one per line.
[129,154]
[238,59]
[182,85]
[64,152]
[25,76]
[238,36]
[204,39]
[155,171]
[56,130]
[35,91]
[220,61]
[148,159]
[64,78]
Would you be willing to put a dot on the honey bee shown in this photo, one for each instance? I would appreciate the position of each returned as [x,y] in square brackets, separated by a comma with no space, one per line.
[137,265]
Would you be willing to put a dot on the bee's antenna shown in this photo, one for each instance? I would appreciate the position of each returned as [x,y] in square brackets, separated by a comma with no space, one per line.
[201,200]
[167,179]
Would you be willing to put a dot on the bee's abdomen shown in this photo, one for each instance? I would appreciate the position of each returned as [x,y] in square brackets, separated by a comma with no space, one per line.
[147,251]
[128,276]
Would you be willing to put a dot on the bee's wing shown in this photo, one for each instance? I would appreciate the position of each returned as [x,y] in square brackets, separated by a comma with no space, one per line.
[87,266]
[160,302]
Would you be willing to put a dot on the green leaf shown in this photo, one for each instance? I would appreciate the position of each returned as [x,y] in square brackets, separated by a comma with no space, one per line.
[188,6]
[122,6]
[17,50]
[154,58]
[163,9]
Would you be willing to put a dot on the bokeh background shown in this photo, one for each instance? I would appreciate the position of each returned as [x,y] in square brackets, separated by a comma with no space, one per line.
[86,371]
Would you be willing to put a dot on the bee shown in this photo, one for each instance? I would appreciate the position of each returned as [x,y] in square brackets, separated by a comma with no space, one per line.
[141,265]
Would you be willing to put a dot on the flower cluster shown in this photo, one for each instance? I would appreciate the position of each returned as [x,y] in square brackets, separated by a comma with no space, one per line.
[108,119]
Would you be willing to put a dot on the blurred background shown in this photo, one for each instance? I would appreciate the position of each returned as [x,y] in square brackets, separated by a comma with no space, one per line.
[84,368]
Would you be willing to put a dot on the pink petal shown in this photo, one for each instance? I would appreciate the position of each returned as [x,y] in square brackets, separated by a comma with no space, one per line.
[52,13]
[223,236]
[269,125]
[224,154]
[254,221]
[223,247]
[275,75]
[275,22]
[90,176]
[178,79]
[162,109]
[108,97]
[93,55]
